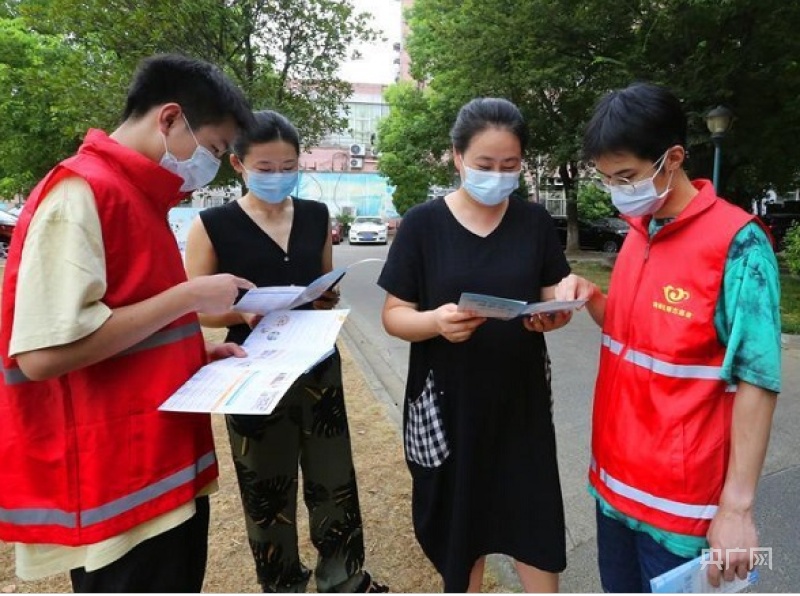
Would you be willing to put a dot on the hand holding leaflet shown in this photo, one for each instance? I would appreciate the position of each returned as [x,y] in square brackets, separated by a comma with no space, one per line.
[505,309]
[265,300]
[692,578]
[283,346]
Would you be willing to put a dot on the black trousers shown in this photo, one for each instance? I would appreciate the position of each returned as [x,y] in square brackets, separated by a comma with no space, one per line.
[174,561]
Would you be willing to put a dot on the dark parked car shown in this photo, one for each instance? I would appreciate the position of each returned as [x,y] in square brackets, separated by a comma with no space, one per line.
[606,233]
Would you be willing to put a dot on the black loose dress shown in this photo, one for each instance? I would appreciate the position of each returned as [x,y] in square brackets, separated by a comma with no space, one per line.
[478,428]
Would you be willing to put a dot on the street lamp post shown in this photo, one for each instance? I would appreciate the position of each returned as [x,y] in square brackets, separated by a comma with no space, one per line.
[718,122]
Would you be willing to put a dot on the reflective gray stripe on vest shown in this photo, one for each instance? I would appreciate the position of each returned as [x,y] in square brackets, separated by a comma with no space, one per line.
[148,493]
[13,376]
[611,344]
[38,517]
[661,504]
[162,338]
[680,371]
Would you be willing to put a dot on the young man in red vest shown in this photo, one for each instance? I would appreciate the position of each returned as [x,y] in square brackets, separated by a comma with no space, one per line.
[98,329]
[690,356]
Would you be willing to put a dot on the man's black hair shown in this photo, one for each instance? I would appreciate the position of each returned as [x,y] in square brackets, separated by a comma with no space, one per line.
[484,113]
[266,126]
[204,93]
[642,119]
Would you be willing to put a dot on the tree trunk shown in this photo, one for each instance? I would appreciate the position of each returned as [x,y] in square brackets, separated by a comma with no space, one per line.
[569,173]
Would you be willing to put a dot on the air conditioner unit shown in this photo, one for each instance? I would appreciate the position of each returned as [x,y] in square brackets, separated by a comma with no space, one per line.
[357,150]
[356,163]
[374,152]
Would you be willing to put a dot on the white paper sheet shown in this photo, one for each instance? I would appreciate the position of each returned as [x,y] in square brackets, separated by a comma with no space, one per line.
[692,578]
[264,300]
[495,307]
[283,346]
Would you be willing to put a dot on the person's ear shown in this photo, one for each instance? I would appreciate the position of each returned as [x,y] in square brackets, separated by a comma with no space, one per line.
[236,163]
[675,158]
[458,160]
[168,116]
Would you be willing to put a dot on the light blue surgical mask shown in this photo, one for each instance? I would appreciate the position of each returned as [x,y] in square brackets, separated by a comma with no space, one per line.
[197,171]
[489,188]
[272,187]
[640,198]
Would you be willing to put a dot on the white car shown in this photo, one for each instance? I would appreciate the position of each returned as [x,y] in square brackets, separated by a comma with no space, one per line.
[368,228]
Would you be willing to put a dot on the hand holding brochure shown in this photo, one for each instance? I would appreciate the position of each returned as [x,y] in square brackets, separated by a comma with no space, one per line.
[692,578]
[264,300]
[283,346]
[495,307]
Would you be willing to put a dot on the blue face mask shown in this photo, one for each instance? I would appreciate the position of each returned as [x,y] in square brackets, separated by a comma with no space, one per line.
[197,171]
[636,199]
[489,188]
[272,187]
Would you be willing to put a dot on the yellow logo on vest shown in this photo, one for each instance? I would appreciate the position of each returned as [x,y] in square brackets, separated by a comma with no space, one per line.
[674,296]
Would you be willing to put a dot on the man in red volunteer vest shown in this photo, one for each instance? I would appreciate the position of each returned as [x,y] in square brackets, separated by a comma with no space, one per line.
[99,327]
[690,356]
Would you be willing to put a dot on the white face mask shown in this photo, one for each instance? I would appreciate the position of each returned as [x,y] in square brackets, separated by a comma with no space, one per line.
[640,198]
[197,171]
[489,188]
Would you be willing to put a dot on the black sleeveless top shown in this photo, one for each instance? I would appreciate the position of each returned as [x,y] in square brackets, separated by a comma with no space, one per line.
[245,250]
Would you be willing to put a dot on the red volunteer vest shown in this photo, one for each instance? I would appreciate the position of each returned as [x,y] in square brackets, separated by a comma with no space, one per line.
[87,456]
[662,415]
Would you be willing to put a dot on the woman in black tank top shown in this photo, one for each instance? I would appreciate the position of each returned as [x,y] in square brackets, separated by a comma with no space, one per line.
[274,239]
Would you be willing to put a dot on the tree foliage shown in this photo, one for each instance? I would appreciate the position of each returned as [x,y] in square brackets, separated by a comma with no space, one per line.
[412,143]
[49,98]
[283,53]
[791,252]
[556,58]
[593,203]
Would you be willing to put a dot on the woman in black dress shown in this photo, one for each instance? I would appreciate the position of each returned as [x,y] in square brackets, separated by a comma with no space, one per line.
[478,427]
[280,240]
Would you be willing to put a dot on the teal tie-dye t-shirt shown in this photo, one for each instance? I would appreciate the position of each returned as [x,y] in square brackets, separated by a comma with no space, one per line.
[747,320]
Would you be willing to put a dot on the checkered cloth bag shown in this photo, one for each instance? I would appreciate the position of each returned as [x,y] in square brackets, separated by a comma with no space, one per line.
[425,441]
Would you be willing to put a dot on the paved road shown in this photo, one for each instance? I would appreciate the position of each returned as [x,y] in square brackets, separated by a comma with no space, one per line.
[574,352]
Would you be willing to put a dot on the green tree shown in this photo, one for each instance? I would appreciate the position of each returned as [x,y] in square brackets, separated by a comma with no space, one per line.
[50,97]
[593,203]
[283,53]
[555,58]
[540,54]
[791,252]
[744,54]
[413,141]
[68,63]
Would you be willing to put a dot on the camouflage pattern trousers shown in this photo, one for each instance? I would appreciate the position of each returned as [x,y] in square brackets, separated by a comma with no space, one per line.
[308,427]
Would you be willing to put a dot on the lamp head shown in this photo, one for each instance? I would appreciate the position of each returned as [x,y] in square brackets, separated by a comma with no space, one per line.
[719,121]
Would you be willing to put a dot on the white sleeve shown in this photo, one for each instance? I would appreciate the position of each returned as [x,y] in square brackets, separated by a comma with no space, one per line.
[62,273]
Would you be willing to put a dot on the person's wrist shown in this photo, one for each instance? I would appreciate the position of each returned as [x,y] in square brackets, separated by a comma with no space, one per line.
[186,298]
[737,502]
[433,323]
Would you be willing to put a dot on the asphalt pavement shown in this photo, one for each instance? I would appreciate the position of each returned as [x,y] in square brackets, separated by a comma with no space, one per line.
[574,352]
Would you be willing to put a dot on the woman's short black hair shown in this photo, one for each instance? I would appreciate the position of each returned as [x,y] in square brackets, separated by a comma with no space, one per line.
[484,113]
[267,126]
[642,119]
[204,93]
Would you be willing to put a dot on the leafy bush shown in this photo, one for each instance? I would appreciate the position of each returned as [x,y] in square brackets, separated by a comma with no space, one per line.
[345,219]
[594,203]
[791,253]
